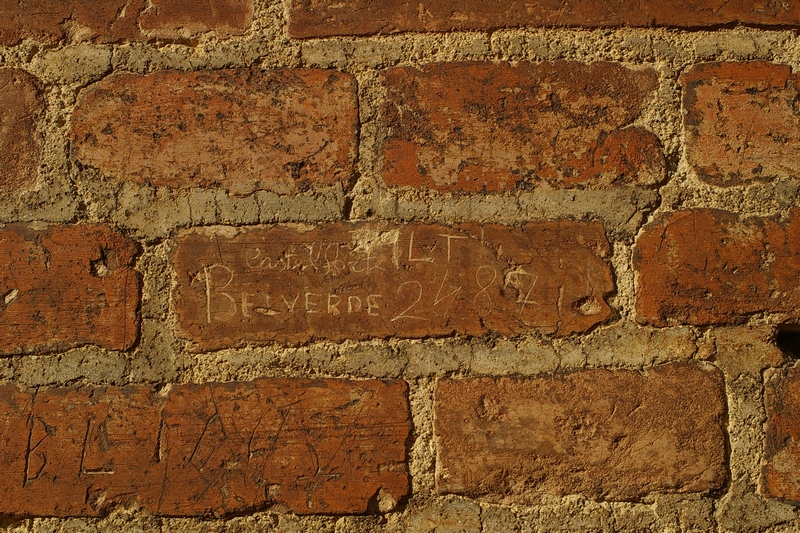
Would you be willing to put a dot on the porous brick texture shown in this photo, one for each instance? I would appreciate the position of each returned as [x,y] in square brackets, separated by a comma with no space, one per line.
[781,472]
[482,126]
[67,286]
[379,266]
[608,434]
[20,142]
[314,446]
[238,130]
[742,121]
[105,21]
[705,266]
[321,18]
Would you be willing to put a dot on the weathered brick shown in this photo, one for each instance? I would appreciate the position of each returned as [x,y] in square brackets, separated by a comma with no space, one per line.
[746,350]
[704,266]
[742,121]
[20,105]
[606,434]
[66,286]
[320,18]
[361,280]
[497,127]
[107,21]
[324,446]
[242,130]
[781,470]
[175,19]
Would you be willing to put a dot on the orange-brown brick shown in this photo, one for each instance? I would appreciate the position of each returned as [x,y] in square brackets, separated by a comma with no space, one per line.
[365,280]
[742,121]
[781,471]
[20,105]
[704,266]
[324,446]
[173,19]
[240,130]
[497,127]
[319,18]
[105,21]
[66,286]
[606,434]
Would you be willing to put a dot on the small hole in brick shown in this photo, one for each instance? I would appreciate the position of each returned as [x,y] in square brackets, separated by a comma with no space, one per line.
[788,340]
[99,268]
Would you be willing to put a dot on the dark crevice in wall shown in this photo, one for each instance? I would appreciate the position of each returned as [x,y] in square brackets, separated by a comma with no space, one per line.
[788,340]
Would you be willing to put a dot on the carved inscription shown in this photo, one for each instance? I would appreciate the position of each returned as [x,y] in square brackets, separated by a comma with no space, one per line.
[325,446]
[362,280]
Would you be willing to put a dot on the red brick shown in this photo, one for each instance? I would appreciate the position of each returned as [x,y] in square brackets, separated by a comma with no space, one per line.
[241,130]
[173,19]
[106,21]
[781,470]
[320,18]
[364,280]
[704,266]
[324,446]
[742,121]
[497,127]
[66,286]
[20,106]
[606,434]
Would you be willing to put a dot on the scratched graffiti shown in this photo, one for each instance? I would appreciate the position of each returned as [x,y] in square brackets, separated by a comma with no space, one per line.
[203,449]
[364,280]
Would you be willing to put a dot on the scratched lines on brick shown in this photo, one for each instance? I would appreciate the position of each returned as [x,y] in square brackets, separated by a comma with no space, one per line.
[210,448]
[362,280]
[318,256]
[67,286]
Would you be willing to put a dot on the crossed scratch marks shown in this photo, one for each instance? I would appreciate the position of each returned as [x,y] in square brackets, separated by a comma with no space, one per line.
[34,459]
[350,435]
[216,439]
[333,468]
[236,445]
[245,450]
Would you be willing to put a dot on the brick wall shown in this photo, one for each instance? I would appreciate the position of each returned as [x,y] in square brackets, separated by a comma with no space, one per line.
[379,266]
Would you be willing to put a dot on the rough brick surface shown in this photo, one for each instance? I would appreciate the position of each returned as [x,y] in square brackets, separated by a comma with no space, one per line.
[496,127]
[705,266]
[106,21]
[319,18]
[66,286]
[20,105]
[174,19]
[742,121]
[606,434]
[325,446]
[362,280]
[781,471]
[241,130]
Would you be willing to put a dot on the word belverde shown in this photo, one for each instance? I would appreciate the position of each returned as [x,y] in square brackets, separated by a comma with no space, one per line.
[361,280]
